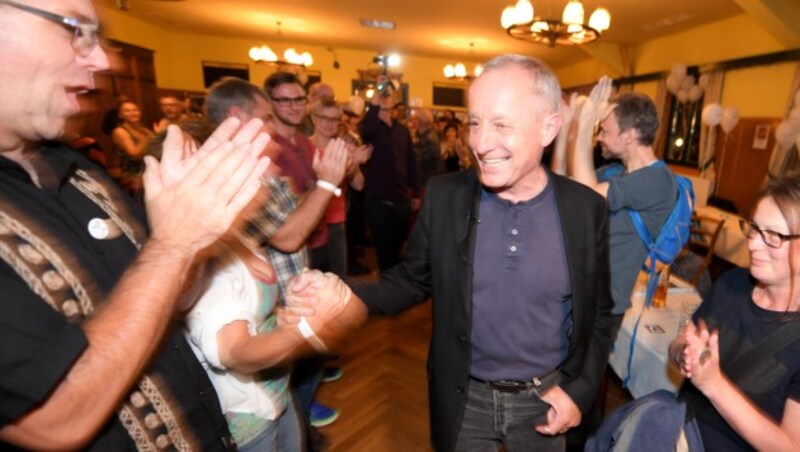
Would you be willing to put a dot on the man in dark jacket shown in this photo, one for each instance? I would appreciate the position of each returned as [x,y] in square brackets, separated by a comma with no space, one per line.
[516,260]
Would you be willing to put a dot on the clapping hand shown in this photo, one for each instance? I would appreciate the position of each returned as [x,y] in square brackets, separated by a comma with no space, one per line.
[192,198]
[596,107]
[331,165]
[699,359]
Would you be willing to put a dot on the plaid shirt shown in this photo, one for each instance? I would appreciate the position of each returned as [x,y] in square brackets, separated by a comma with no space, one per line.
[266,221]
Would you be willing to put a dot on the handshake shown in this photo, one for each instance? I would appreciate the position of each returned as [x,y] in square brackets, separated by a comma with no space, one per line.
[323,307]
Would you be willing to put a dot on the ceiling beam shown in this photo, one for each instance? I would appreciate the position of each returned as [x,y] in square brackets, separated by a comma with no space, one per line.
[615,56]
[780,18]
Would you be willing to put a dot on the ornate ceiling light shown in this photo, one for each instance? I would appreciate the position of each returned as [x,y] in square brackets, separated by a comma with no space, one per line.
[520,23]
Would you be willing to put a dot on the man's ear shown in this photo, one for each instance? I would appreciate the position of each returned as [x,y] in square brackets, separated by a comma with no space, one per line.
[551,125]
[630,137]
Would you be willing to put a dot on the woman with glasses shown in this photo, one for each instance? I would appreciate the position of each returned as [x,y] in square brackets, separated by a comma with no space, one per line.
[746,396]
[130,140]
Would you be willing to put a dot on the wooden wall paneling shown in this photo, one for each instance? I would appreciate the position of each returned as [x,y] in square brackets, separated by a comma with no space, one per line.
[740,168]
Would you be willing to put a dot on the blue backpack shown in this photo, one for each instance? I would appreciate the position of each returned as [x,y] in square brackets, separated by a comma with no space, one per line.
[673,235]
[668,243]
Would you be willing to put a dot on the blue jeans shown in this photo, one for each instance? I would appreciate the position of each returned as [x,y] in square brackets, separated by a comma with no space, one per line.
[281,435]
[493,417]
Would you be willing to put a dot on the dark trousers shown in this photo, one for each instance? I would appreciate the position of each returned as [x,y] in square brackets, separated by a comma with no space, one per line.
[493,418]
[388,221]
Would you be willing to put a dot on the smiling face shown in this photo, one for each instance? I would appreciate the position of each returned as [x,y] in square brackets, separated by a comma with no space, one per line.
[770,266]
[326,121]
[509,125]
[41,73]
[130,113]
[292,112]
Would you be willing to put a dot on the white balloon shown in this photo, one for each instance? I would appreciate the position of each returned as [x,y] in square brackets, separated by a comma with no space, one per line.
[673,86]
[679,71]
[786,133]
[687,82]
[695,93]
[357,104]
[683,95]
[703,81]
[712,114]
[730,117]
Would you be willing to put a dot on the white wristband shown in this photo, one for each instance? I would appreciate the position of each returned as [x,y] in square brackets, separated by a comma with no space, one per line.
[311,336]
[325,185]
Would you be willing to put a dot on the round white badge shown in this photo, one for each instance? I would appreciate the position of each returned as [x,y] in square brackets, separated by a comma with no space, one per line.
[98,228]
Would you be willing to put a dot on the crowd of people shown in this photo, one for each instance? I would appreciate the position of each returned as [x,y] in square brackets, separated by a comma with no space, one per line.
[188,295]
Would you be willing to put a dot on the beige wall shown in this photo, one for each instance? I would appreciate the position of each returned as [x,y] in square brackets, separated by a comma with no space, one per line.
[179,57]
[760,91]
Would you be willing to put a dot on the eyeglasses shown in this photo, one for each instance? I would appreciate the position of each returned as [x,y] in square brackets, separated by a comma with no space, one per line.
[329,119]
[286,101]
[770,238]
[84,35]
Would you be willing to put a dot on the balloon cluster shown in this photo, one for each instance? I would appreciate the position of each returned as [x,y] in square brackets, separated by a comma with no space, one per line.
[685,87]
[788,131]
[726,117]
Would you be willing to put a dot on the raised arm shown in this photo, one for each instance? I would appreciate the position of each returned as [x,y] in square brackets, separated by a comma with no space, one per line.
[298,225]
[592,110]
[558,164]
[189,206]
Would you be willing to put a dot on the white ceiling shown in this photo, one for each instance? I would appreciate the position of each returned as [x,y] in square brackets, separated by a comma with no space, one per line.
[437,28]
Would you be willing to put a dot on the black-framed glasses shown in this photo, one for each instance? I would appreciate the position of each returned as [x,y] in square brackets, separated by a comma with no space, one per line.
[770,238]
[286,101]
[329,119]
[84,35]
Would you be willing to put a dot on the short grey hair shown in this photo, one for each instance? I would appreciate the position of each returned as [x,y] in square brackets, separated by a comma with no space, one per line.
[544,80]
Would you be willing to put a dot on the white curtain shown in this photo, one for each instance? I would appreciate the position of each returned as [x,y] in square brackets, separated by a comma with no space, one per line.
[781,158]
[708,135]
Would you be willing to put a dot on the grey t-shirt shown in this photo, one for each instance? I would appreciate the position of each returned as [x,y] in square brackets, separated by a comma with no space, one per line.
[652,192]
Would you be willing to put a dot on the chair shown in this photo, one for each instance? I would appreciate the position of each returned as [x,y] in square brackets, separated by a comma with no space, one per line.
[702,240]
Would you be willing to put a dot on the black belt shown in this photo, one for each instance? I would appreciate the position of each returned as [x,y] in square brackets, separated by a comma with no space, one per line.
[542,383]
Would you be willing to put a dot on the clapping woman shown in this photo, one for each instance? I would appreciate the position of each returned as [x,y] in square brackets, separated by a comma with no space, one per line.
[741,355]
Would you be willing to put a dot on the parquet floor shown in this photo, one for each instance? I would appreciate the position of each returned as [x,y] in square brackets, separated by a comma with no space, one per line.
[383,394]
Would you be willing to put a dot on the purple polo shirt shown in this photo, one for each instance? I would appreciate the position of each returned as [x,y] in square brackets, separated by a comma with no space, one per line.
[522,296]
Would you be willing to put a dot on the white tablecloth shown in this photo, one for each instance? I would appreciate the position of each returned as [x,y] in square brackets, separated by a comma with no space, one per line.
[731,244]
[650,369]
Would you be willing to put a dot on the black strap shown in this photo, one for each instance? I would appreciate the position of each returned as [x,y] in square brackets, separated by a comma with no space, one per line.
[778,340]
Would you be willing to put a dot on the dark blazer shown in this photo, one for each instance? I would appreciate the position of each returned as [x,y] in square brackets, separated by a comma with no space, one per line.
[438,262]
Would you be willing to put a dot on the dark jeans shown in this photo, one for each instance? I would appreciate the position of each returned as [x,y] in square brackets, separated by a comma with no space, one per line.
[389,223]
[493,418]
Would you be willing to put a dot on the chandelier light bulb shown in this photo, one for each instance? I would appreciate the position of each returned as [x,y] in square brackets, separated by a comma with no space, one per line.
[523,12]
[461,70]
[508,17]
[573,13]
[478,70]
[449,71]
[306,59]
[600,20]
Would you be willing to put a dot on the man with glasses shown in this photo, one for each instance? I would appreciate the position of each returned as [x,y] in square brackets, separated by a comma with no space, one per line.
[89,358]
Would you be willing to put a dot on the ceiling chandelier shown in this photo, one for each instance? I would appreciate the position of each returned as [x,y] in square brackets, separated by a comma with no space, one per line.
[520,23]
[263,54]
[458,71]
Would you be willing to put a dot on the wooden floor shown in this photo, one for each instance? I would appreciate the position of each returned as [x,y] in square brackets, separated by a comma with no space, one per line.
[383,395]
